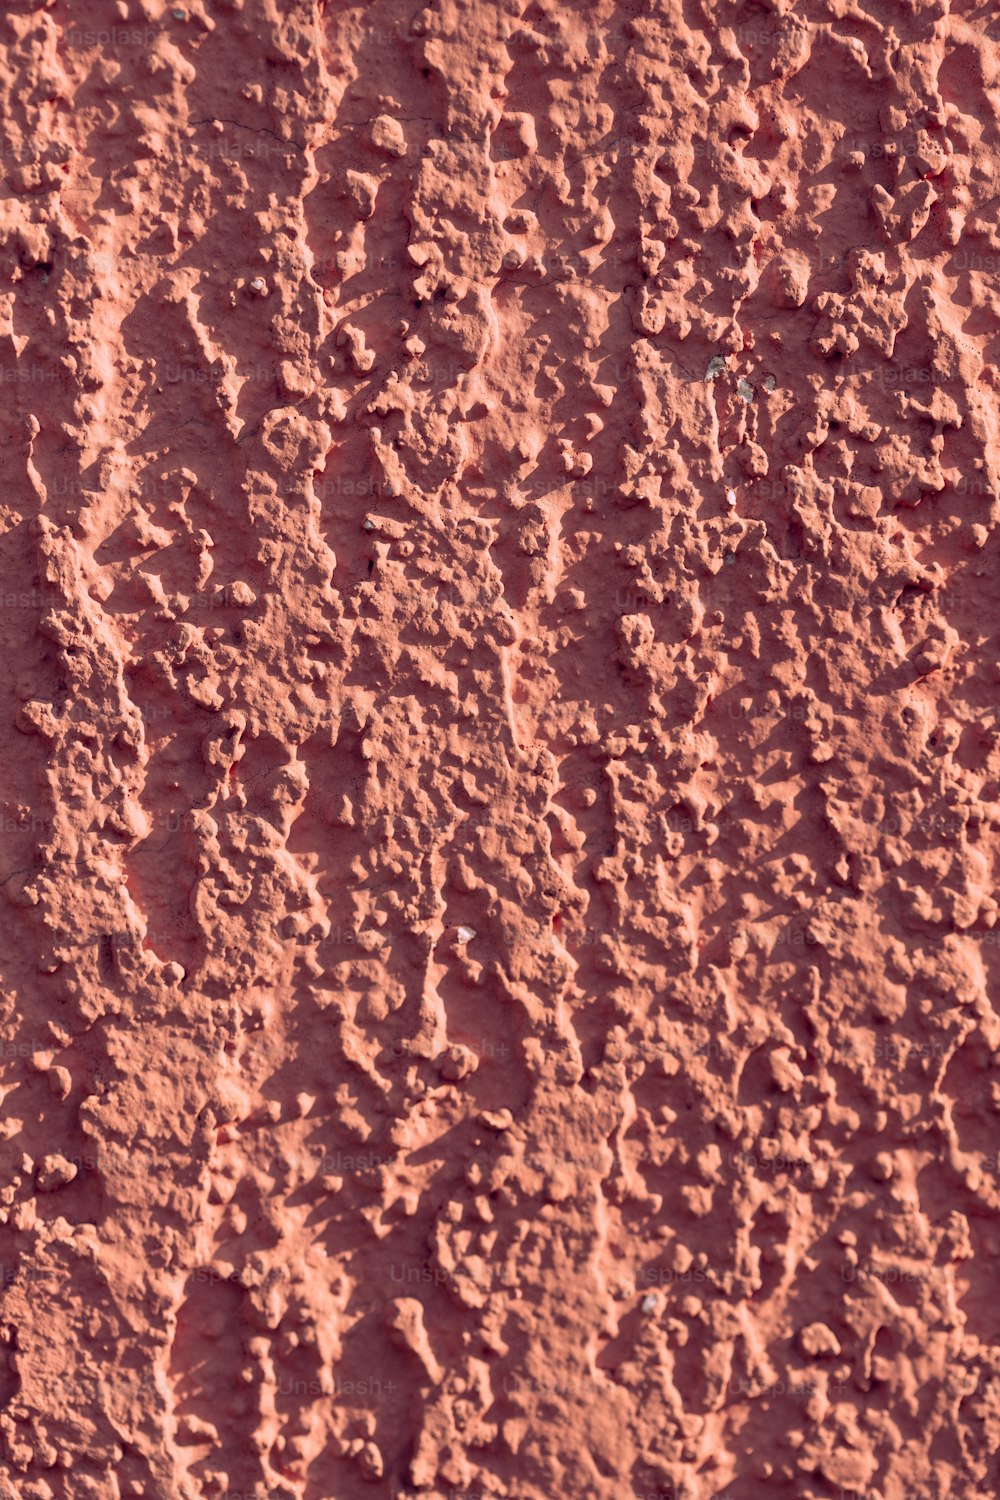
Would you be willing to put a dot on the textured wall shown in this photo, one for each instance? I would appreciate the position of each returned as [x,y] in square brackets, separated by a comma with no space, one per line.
[500,766]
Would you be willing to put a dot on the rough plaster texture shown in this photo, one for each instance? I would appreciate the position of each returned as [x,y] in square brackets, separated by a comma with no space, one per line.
[500,756]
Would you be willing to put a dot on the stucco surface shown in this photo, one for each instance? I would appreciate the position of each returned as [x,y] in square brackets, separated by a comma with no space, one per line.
[498,580]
